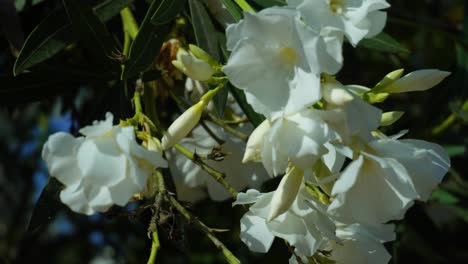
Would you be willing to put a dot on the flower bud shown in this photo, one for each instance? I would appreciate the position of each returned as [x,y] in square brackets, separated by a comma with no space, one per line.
[335,94]
[286,192]
[255,142]
[389,118]
[198,53]
[182,126]
[194,68]
[417,81]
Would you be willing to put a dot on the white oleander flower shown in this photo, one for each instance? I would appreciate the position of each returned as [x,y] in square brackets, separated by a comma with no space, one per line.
[382,183]
[355,119]
[193,183]
[304,226]
[355,244]
[298,139]
[270,63]
[356,19]
[103,168]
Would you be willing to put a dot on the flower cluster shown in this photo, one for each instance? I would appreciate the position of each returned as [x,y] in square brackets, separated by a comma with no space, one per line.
[342,180]
[283,59]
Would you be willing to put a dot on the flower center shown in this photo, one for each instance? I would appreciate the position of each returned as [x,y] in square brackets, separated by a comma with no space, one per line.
[336,6]
[288,55]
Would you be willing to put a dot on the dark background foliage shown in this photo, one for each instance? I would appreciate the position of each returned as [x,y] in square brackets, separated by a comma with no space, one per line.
[74,78]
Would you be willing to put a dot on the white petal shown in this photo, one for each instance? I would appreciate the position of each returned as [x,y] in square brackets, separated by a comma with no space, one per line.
[255,233]
[59,153]
[98,128]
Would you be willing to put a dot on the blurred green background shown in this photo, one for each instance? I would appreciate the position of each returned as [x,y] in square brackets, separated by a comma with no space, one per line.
[69,90]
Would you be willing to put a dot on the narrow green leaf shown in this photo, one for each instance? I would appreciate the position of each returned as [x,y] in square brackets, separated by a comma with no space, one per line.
[153,30]
[233,9]
[455,150]
[207,39]
[205,32]
[92,32]
[269,3]
[46,208]
[383,42]
[53,34]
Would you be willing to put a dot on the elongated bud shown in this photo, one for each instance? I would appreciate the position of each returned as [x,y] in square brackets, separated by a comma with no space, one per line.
[335,94]
[182,126]
[388,80]
[389,118]
[286,193]
[192,67]
[417,81]
[254,144]
[198,53]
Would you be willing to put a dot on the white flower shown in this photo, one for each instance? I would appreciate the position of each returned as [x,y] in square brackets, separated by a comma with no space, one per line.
[305,225]
[191,181]
[355,120]
[359,244]
[356,19]
[382,183]
[193,67]
[103,168]
[416,81]
[270,63]
[299,139]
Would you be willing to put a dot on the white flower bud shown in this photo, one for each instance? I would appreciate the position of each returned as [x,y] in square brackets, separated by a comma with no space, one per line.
[417,81]
[286,193]
[335,94]
[389,118]
[255,142]
[183,125]
[192,67]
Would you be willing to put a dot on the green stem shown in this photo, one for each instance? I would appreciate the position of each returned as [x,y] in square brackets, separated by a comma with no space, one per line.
[137,103]
[244,5]
[218,176]
[203,228]
[154,246]
[448,121]
[129,23]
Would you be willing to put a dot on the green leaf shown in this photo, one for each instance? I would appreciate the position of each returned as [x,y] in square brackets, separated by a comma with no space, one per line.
[92,32]
[154,28]
[207,39]
[46,208]
[455,150]
[383,42]
[233,9]
[444,196]
[270,3]
[53,34]
[205,32]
